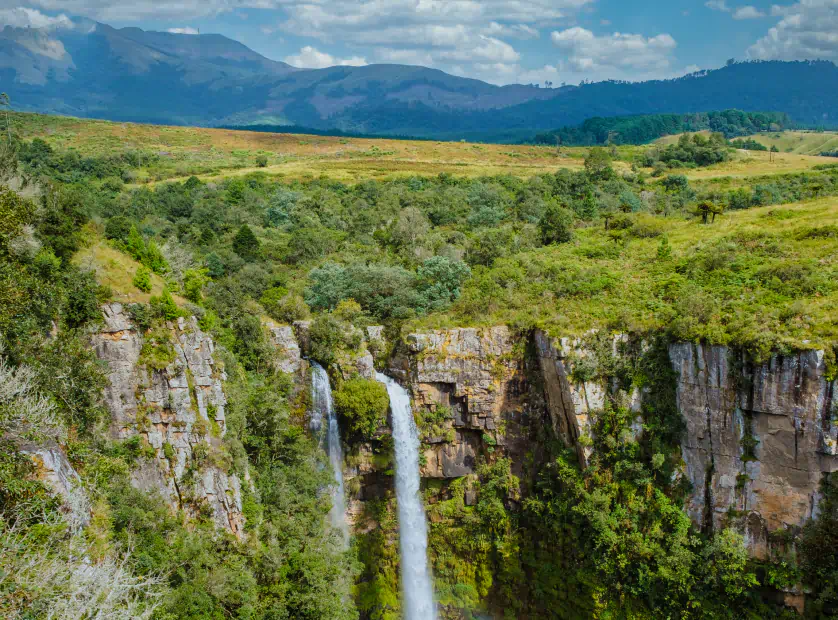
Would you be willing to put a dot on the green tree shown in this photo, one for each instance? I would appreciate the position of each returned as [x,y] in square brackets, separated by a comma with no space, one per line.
[556,226]
[245,243]
[142,279]
[363,404]
[598,165]
[194,281]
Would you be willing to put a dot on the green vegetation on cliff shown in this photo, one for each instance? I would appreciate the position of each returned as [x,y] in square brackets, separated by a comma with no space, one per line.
[722,261]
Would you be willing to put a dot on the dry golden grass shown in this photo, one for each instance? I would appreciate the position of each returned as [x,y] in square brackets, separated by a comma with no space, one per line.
[213,153]
[116,271]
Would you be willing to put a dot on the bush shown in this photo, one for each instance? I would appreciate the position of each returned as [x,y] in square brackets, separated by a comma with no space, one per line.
[141,315]
[245,243]
[363,404]
[142,279]
[262,161]
[557,225]
[84,296]
[165,306]
[118,228]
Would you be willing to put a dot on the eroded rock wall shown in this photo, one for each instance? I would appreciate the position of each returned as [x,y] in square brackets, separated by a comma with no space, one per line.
[758,440]
[179,411]
[475,374]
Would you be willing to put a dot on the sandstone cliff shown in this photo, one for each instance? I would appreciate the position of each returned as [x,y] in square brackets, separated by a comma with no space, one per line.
[758,440]
[177,410]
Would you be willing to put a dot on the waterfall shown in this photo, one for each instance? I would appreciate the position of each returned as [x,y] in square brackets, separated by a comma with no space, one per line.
[413,529]
[323,408]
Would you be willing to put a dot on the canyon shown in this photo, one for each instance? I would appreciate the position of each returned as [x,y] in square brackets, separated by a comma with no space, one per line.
[757,438]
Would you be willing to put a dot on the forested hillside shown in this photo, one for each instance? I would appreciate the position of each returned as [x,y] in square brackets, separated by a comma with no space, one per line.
[523,528]
[647,128]
[93,70]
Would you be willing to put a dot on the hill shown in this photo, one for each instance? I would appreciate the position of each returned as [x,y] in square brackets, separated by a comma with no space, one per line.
[800,142]
[89,69]
[645,128]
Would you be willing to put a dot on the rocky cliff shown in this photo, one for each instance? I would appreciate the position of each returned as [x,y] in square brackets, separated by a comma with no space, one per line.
[167,389]
[758,440]
[476,377]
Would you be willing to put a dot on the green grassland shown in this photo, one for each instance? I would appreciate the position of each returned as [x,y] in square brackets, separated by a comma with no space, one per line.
[752,277]
[764,278]
[800,142]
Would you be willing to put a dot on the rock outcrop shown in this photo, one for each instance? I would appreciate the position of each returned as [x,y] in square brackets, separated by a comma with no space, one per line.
[758,440]
[178,411]
[477,376]
[56,472]
[289,356]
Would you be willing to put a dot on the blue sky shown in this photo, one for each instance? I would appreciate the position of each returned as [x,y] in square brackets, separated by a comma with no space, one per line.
[501,41]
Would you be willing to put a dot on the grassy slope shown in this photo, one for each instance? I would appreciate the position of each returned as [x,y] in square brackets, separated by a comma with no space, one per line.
[116,271]
[216,153]
[800,142]
[643,291]
[636,281]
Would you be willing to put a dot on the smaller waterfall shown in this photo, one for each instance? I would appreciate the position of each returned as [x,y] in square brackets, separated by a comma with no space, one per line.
[324,409]
[413,527]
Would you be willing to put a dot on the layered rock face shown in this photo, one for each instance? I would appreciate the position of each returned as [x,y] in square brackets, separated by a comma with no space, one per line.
[54,469]
[758,440]
[477,375]
[178,411]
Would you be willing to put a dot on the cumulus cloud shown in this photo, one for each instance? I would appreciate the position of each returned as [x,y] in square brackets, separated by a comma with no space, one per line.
[807,30]
[748,12]
[21,17]
[460,36]
[718,5]
[514,31]
[617,55]
[312,58]
[184,30]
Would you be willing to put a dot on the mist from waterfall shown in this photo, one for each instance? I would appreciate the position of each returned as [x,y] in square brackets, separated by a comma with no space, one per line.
[323,409]
[417,585]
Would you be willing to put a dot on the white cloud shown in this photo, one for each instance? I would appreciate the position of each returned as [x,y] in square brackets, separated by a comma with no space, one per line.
[718,5]
[619,55]
[748,12]
[184,30]
[311,58]
[20,17]
[514,31]
[807,30]
[452,35]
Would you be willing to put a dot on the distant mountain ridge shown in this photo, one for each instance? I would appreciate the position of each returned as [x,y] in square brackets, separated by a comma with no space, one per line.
[90,69]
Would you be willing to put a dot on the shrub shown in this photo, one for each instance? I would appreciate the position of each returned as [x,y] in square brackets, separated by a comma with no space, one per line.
[245,243]
[262,161]
[165,306]
[142,279]
[84,296]
[118,228]
[193,284]
[141,315]
[556,226]
[363,404]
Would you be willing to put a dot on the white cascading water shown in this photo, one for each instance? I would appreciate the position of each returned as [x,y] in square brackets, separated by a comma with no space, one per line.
[413,528]
[324,408]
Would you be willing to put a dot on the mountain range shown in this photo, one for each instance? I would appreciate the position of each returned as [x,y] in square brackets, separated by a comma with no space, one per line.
[89,69]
